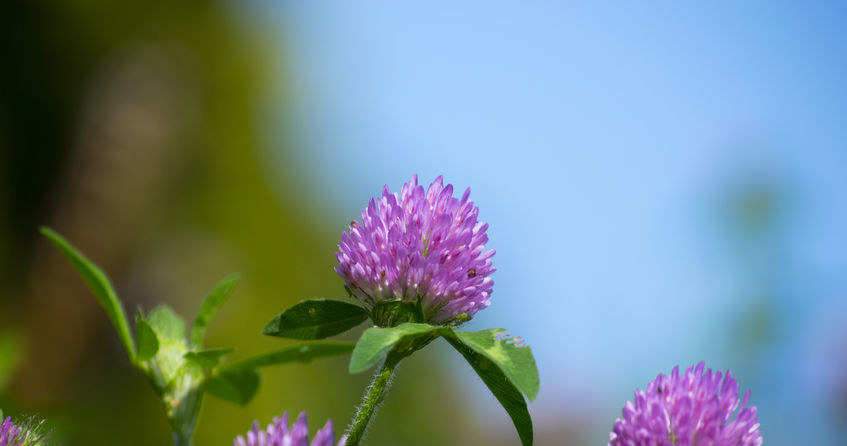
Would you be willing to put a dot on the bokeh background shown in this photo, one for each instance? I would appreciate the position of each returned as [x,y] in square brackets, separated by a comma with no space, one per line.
[665,184]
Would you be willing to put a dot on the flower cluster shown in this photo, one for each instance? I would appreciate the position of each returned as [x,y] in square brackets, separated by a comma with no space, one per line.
[419,246]
[279,434]
[11,435]
[695,408]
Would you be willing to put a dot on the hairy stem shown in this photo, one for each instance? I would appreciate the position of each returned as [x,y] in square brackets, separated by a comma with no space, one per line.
[373,398]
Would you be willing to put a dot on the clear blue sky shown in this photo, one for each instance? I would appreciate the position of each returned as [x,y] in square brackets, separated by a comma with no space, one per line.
[596,139]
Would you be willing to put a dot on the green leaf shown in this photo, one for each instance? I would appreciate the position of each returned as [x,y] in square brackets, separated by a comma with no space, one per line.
[210,306]
[148,342]
[376,342]
[167,324]
[238,386]
[513,358]
[208,358]
[316,319]
[298,353]
[506,393]
[169,361]
[99,285]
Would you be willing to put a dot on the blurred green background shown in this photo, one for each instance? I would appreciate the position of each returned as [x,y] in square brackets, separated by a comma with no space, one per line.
[664,185]
[130,127]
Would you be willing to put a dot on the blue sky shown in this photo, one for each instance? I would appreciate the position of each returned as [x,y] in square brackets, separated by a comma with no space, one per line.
[597,140]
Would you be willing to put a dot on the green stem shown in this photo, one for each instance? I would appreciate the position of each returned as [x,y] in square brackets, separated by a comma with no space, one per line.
[182,439]
[373,398]
[183,416]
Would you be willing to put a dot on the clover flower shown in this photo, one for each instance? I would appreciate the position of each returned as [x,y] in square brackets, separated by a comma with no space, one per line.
[10,434]
[279,434]
[425,247]
[694,409]
[30,433]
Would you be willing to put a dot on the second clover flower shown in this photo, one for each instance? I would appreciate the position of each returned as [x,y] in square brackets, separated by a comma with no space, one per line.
[424,247]
[696,407]
[279,433]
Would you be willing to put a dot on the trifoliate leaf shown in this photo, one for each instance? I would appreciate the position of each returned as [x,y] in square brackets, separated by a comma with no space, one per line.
[376,342]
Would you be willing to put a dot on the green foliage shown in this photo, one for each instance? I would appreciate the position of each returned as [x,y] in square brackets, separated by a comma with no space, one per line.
[316,319]
[236,386]
[208,359]
[175,379]
[100,286]
[515,360]
[320,318]
[167,366]
[377,342]
[500,385]
[148,342]
[213,302]
[167,324]
[299,353]
[505,365]
[239,381]
[177,366]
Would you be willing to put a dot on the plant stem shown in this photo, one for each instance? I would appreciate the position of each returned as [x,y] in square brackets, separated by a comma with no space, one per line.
[182,439]
[183,415]
[373,398]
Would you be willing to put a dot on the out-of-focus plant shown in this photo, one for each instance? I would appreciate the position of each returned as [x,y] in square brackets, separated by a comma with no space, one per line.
[11,353]
[416,267]
[176,363]
[29,432]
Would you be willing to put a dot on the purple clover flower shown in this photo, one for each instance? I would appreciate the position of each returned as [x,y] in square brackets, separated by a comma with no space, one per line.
[422,247]
[695,409]
[11,435]
[278,434]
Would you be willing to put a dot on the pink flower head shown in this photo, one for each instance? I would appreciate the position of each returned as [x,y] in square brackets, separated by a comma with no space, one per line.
[694,409]
[425,247]
[279,434]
